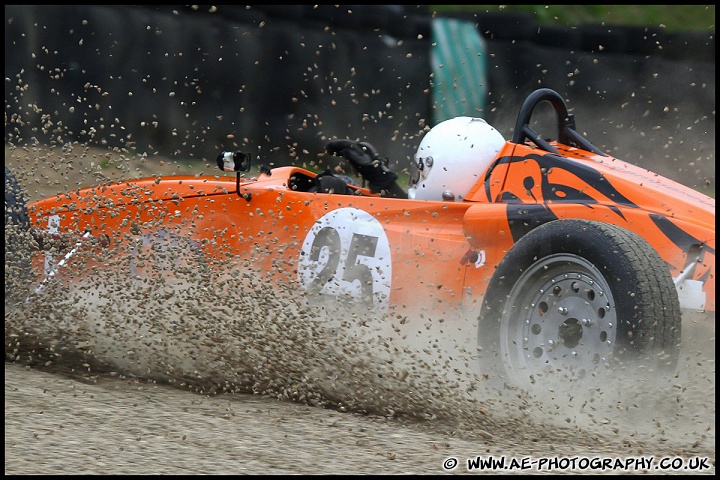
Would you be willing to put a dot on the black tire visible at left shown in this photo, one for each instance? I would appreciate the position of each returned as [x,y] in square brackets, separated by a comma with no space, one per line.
[15,202]
[18,238]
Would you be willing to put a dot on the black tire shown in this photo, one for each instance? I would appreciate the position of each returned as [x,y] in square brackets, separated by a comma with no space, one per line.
[18,238]
[15,203]
[577,298]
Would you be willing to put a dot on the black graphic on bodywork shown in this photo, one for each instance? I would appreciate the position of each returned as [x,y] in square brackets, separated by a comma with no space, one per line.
[683,240]
[523,218]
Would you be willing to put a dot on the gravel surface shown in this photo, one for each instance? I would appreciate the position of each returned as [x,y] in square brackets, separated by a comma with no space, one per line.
[66,420]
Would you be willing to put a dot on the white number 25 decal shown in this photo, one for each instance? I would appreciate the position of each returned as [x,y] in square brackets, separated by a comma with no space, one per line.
[347,255]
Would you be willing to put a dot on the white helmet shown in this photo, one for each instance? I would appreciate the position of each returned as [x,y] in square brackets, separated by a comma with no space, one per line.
[451,157]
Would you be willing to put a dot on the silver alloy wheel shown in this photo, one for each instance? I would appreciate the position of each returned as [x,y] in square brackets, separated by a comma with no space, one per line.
[560,320]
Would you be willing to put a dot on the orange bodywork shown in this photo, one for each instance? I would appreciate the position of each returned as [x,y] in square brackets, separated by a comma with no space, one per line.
[393,253]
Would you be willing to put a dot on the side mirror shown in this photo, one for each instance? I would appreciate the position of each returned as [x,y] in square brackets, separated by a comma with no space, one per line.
[233,161]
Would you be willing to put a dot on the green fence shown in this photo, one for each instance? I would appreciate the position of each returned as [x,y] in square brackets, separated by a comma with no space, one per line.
[459,64]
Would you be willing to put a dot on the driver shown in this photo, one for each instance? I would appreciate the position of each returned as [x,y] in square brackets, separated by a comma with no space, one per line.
[448,162]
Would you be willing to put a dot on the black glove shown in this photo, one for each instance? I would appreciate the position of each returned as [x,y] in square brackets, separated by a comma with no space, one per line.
[366,162]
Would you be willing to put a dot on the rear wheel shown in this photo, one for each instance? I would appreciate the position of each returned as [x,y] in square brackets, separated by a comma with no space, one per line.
[576,298]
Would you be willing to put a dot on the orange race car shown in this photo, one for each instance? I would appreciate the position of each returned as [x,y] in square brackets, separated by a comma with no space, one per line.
[568,257]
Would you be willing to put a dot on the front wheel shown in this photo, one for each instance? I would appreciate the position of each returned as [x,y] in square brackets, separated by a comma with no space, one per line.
[575,298]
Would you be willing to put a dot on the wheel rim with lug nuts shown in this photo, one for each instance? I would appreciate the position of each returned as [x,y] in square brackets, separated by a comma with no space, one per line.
[560,320]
